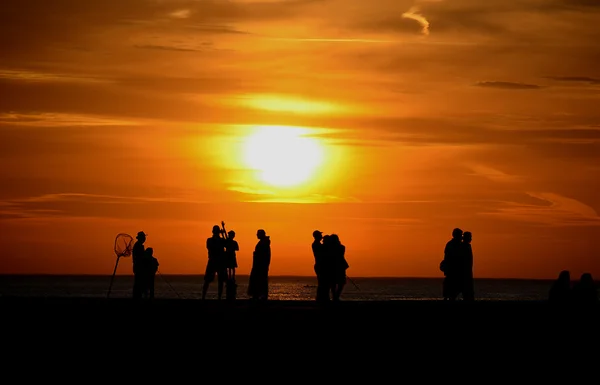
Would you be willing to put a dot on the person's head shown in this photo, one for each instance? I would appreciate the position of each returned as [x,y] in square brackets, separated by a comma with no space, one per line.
[260,234]
[216,230]
[565,276]
[141,236]
[587,279]
[150,252]
[335,238]
[467,237]
[457,233]
[317,235]
[231,234]
[327,239]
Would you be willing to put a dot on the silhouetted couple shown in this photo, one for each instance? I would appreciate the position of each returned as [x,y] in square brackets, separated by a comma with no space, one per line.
[330,266]
[145,267]
[583,292]
[457,266]
[222,262]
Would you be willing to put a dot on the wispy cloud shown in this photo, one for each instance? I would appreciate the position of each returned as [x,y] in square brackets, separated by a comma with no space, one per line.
[493,174]
[61,119]
[553,210]
[508,85]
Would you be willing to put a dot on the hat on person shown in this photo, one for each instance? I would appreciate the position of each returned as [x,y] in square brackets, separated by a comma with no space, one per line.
[317,233]
[141,234]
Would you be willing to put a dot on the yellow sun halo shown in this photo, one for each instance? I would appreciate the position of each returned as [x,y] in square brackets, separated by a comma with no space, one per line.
[284,156]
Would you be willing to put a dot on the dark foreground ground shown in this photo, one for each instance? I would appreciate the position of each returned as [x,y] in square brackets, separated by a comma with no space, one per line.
[296,341]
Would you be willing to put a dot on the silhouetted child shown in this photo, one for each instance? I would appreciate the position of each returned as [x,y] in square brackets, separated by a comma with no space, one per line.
[151,268]
[231,247]
[560,291]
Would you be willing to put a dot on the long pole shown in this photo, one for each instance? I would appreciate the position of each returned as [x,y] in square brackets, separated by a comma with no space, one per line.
[113,276]
[352,282]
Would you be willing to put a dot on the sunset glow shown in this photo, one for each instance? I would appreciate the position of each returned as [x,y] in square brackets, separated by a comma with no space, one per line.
[386,122]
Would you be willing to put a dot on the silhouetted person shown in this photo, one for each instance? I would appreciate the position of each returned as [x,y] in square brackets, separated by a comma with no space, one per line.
[149,268]
[216,262]
[560,291]
[231,247]
[137,257]
[328,267]
[258,285]
[452,266]
[585,291]
[340,265]
[467,286]
[319,255]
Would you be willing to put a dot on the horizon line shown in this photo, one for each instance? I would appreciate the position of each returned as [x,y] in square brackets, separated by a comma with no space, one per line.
[248,275]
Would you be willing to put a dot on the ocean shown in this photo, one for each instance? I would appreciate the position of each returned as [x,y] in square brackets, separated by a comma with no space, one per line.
[280,287]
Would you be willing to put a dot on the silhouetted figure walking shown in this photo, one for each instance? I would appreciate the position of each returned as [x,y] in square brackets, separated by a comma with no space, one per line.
[560,291]
[216,262]
[137,257]
[467,286]
[319,254]
[340,265]
[258,285]
[149,269]
[452,266]
[585,291]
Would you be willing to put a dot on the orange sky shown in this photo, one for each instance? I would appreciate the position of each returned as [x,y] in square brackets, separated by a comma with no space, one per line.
[134,115]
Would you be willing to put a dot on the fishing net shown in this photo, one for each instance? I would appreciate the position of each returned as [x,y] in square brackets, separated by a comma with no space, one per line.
[123,245]
[123,248]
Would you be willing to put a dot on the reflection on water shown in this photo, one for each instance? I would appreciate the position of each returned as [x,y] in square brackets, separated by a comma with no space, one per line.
[280,288]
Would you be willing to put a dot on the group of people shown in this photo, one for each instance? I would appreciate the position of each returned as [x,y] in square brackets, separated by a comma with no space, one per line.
[145,267]
[457,267]
[563,291]
[330,266]
[222,262]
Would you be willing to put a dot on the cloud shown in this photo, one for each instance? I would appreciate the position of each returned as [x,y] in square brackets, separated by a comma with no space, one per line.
[508,85]
[493,174]
[47,119]
[575,79]
[166,48]
[553,210]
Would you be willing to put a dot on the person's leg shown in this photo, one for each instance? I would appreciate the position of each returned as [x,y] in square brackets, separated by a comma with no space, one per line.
[152,287]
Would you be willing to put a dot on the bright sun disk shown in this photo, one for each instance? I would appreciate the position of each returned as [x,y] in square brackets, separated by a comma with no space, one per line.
[283,155]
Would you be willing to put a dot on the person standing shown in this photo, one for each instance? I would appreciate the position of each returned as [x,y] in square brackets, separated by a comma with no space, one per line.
[468,286]
[340,265]
[137,257]
[452,266]
[216,263]
[319,254]
[258,285]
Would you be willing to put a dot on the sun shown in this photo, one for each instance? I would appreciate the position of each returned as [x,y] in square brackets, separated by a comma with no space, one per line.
[284,156]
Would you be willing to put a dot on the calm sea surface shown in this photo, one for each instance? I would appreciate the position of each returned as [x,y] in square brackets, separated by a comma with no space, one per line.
[280,288]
